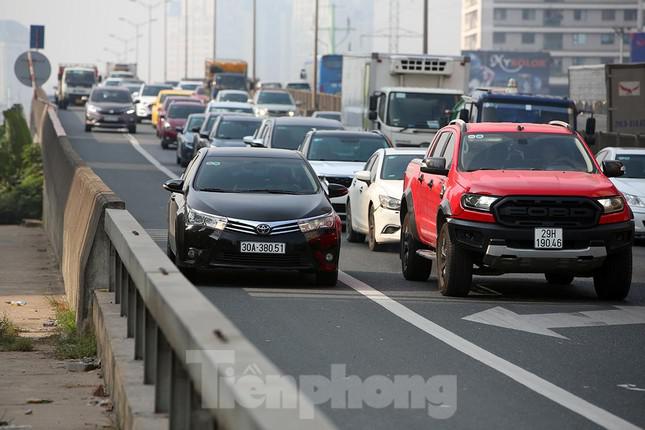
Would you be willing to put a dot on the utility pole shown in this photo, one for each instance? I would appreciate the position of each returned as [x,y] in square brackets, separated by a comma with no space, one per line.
[253,48]
[425,26]
[332,33]
[314,97]
[165,41]
[620,31]
[186,39]
[214,29]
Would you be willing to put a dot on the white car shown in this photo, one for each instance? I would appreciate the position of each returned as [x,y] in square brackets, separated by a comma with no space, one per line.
[235,107]
[238,96]
[146,97]
[632,183]
[336,155]
[274,103]
[374,205]
[189,85]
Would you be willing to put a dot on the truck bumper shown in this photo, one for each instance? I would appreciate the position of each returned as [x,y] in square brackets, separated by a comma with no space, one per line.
[510,250]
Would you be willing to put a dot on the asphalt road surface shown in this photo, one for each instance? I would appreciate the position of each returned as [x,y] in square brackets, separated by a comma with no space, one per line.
[513,368]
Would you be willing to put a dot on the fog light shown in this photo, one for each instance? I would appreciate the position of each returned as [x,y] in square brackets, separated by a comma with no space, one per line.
[329,257]
[192,253]
[390,229]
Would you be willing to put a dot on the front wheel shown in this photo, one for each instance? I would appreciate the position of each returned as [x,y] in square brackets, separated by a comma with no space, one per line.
[88,127]
[372,244]
[132,129]
[613,279]
[454,266]
[327,279]
[352,235]
[413,266]
[164,144]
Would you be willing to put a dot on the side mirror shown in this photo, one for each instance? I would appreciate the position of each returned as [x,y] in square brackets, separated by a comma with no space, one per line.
[135,95]
[464,114]
[373,102]
[363,175]
[174,185]
[136,101]
[179,129]
[336,190]
[371,115]
[434,166]
[613,168]
[256,143]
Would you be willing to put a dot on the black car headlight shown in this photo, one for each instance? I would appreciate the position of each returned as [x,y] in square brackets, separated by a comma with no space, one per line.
[612,204]
[197,218]
[312,224]
[478,202]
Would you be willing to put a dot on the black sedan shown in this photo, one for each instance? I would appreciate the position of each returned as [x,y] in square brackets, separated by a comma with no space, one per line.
[110,107]
[253,208]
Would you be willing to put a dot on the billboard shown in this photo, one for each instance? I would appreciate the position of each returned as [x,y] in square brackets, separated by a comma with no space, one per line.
[638,47]
[530,70]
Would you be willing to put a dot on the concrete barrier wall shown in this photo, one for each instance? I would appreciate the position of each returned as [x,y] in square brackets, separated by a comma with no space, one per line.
[74,201]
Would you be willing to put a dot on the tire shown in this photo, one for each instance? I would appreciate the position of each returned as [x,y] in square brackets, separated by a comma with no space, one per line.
[178,161]
[88,127]
[352,235]
[327,279]
[454,266]
[132,129]
[371,235]
[414,267]
[613,280]
[164,144]
[559,278]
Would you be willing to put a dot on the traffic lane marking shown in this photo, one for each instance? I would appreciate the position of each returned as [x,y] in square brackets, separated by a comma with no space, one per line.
[166,171]
[522,376]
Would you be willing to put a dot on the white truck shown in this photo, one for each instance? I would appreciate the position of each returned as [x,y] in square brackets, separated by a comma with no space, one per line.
[407,97]
[121,70]
[75,81]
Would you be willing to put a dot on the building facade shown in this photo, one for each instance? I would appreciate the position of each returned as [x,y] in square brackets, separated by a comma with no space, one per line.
[574,32]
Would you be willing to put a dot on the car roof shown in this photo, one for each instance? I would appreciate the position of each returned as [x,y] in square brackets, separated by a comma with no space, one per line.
[229,104]
[348,133]
[112,88]
[196,115]
[175,92]
[254,153]
[305,120]
[621,150]
[513,127]
[396,151]
[182,103]
[240,116]
[232,91]
[327,111]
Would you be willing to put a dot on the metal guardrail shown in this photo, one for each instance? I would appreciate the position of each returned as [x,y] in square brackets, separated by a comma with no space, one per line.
[186,343]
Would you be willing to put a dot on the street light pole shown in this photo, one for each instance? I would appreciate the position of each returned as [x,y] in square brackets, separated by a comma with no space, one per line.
[314,97]
[165,41]
[425,26]
[253,49]
[125,45]
[214,29]
[137,34]
[186,39]
[149,6]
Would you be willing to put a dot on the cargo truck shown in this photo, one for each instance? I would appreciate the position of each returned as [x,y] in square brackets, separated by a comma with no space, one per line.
[407,97]
[121,70]
[75,81]
[222,74]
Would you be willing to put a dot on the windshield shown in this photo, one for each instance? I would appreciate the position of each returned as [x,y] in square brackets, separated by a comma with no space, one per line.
[153,90]
[183,110]
[291,136]
[299,86]
[419,110]
[394,166]
[234,82]
[634,165]
[195,121]
[208,125]
[230,109]
[112,83]
[255,174]
[516,112]
[236,129]
[344,148]
[329,115]
[85,78]
[111,96]
[524,151]
[190,86]
[233,97]
[274,98]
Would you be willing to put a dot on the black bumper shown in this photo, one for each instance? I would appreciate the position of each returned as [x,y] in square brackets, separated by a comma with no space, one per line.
[99,120]
[511,250]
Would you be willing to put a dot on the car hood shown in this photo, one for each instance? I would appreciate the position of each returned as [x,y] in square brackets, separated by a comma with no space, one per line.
[633,186]
[391,188]
[285,108]
[336,168]
[260,206]
[524,182]
[228,143]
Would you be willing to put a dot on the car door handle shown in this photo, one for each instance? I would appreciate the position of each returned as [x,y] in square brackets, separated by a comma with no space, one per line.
[431,183]
[420,178]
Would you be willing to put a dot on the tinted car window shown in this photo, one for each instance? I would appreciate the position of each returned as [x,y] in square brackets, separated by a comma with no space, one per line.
[234,97]
[634,165]
[394,166]
[523,151]
[260,175]
[274,98]
[236,129]
[345,148]
[230,109]
[182,111]
[208,125]
[80,77]
[153,90]
[194,122]
[334,116]
[111,96]
[291,136]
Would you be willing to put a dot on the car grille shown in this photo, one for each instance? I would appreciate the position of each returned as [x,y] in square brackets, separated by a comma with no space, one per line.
[249,227]
[278,113]
[342,180]
[116,111]
[271,260]
[547,212]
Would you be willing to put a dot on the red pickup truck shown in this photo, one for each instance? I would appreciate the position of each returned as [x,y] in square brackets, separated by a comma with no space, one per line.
[494,198]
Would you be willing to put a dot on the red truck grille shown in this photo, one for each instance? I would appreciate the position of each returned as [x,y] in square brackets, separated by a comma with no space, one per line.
[547,212]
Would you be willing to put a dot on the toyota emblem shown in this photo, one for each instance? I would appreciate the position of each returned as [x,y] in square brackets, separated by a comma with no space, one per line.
[263,229]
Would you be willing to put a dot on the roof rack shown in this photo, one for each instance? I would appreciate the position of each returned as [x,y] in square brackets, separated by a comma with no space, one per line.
[460,122]
[560,124]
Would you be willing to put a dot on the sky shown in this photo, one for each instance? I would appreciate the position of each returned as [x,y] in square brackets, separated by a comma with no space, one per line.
[79,30]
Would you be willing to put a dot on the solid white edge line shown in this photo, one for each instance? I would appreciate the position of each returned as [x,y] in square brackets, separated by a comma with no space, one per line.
[522,376]
[530,380]
[135,143]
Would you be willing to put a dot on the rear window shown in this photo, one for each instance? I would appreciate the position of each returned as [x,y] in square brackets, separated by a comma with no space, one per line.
[291,136]
[110,96]
[182,111]
[394,166]
[236,129]
[344,148]
[153,90]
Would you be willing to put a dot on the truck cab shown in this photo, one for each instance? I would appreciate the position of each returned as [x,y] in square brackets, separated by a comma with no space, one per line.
[75,84]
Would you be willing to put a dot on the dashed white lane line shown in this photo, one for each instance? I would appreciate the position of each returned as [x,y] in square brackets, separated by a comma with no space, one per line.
[522,376]
[135,143]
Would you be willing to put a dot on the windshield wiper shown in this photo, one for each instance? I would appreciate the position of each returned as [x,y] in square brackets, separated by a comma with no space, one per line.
[270,191]
[483,168]
[215,190]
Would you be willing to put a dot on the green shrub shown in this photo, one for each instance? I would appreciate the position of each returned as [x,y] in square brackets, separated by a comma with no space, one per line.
[10,339]
[71,341]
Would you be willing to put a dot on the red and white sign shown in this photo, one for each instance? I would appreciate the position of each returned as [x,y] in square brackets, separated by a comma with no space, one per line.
[629,88]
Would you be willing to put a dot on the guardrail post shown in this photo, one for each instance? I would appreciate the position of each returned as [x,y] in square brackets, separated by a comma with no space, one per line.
[150,352]
[200,418]
[163,374]
[180,397]
[112,274]
[118,278]
[132,307]
[139,323]
[125,285]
